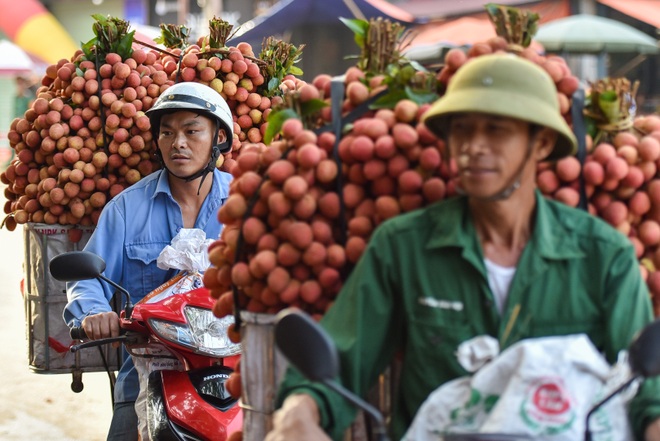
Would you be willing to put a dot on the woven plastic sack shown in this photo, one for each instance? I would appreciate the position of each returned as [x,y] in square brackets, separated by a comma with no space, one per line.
[542,388]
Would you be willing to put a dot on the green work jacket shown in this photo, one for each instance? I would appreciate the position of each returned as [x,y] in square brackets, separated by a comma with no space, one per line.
[421,288]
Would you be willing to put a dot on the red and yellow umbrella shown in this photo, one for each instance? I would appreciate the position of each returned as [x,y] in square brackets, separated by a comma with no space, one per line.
[28,24]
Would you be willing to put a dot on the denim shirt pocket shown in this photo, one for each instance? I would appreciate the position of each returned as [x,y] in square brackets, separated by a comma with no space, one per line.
[141,269]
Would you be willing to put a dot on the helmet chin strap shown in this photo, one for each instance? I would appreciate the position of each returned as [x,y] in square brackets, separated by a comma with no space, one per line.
[514,183]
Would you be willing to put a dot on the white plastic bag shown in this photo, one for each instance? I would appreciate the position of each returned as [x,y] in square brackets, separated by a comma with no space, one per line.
[189,254]
[154,357]
[188,251]
[542,388]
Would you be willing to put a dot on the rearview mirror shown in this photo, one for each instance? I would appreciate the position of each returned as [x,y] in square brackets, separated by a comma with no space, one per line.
[304,343]
[644,351]
[311,350]
[644,361]
[76,265]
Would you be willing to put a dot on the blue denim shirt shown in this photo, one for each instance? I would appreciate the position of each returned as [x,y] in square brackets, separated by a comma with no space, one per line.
[133,229]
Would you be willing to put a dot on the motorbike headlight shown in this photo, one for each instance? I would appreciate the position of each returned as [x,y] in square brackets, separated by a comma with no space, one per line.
[204,332]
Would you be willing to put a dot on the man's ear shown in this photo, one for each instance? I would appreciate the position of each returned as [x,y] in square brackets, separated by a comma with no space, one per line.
[544,140]
[222,144]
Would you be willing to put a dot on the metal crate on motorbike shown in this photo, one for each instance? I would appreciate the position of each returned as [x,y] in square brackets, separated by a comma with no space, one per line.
[44,297]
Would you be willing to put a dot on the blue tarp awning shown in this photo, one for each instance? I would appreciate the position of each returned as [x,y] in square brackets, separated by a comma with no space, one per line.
[287,14]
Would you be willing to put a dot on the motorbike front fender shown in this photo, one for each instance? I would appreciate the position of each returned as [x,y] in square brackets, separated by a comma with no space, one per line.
[187,409]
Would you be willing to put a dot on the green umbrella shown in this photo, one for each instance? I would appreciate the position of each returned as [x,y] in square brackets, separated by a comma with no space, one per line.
[584,33]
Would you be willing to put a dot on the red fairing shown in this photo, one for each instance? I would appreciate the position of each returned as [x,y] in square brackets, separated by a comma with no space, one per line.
[171,308]
[185,406]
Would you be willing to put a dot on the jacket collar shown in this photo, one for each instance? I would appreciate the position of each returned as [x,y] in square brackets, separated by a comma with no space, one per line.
[453,227]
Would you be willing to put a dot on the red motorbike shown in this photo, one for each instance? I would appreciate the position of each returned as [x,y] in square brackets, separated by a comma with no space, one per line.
[191,403]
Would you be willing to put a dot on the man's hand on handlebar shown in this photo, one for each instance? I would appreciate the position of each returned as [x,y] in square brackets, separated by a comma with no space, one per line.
[101,325]
[297,420]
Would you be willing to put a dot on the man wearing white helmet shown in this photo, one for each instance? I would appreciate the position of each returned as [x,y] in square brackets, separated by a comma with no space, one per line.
[192,125]
[498,260]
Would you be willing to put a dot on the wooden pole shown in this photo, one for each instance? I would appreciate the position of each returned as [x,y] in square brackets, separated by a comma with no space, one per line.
[262,367]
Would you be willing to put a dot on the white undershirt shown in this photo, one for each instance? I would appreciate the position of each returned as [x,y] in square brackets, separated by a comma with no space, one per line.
[499,279]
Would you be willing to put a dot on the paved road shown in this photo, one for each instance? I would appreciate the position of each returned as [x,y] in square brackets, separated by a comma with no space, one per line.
[35,406]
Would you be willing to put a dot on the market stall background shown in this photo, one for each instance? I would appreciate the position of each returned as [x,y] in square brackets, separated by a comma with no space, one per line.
[438,24]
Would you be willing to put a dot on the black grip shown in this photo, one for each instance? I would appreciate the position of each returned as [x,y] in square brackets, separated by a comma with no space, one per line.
[77,333]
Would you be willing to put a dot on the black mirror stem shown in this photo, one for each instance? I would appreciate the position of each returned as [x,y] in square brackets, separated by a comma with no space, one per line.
[379,430]
[587,432]
[128,307]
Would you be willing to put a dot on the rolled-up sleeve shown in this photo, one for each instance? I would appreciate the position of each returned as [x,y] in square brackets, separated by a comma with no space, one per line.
[88,297]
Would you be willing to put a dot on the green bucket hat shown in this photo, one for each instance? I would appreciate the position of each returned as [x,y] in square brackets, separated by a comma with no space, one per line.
[505,85]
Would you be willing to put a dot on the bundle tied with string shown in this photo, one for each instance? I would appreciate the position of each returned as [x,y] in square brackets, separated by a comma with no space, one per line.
[302,208]
[619,172]
[86,137]
[611,106]
[516,26]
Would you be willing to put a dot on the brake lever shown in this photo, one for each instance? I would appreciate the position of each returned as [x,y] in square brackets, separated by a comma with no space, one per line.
[126,338]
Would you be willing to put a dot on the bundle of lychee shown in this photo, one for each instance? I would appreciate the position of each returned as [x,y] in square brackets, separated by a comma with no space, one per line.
[86,136]
[302,208]
[384,163]
[619,178]
[614,165]
[250,85]
[515,30]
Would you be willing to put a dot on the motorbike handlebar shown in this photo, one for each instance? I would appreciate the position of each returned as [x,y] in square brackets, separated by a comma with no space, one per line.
[124,338]
[77,333]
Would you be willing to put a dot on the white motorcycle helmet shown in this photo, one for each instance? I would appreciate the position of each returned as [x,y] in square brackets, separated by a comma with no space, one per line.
[197,98]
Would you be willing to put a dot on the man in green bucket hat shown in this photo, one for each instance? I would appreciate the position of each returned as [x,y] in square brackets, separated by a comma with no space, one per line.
[498,260]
